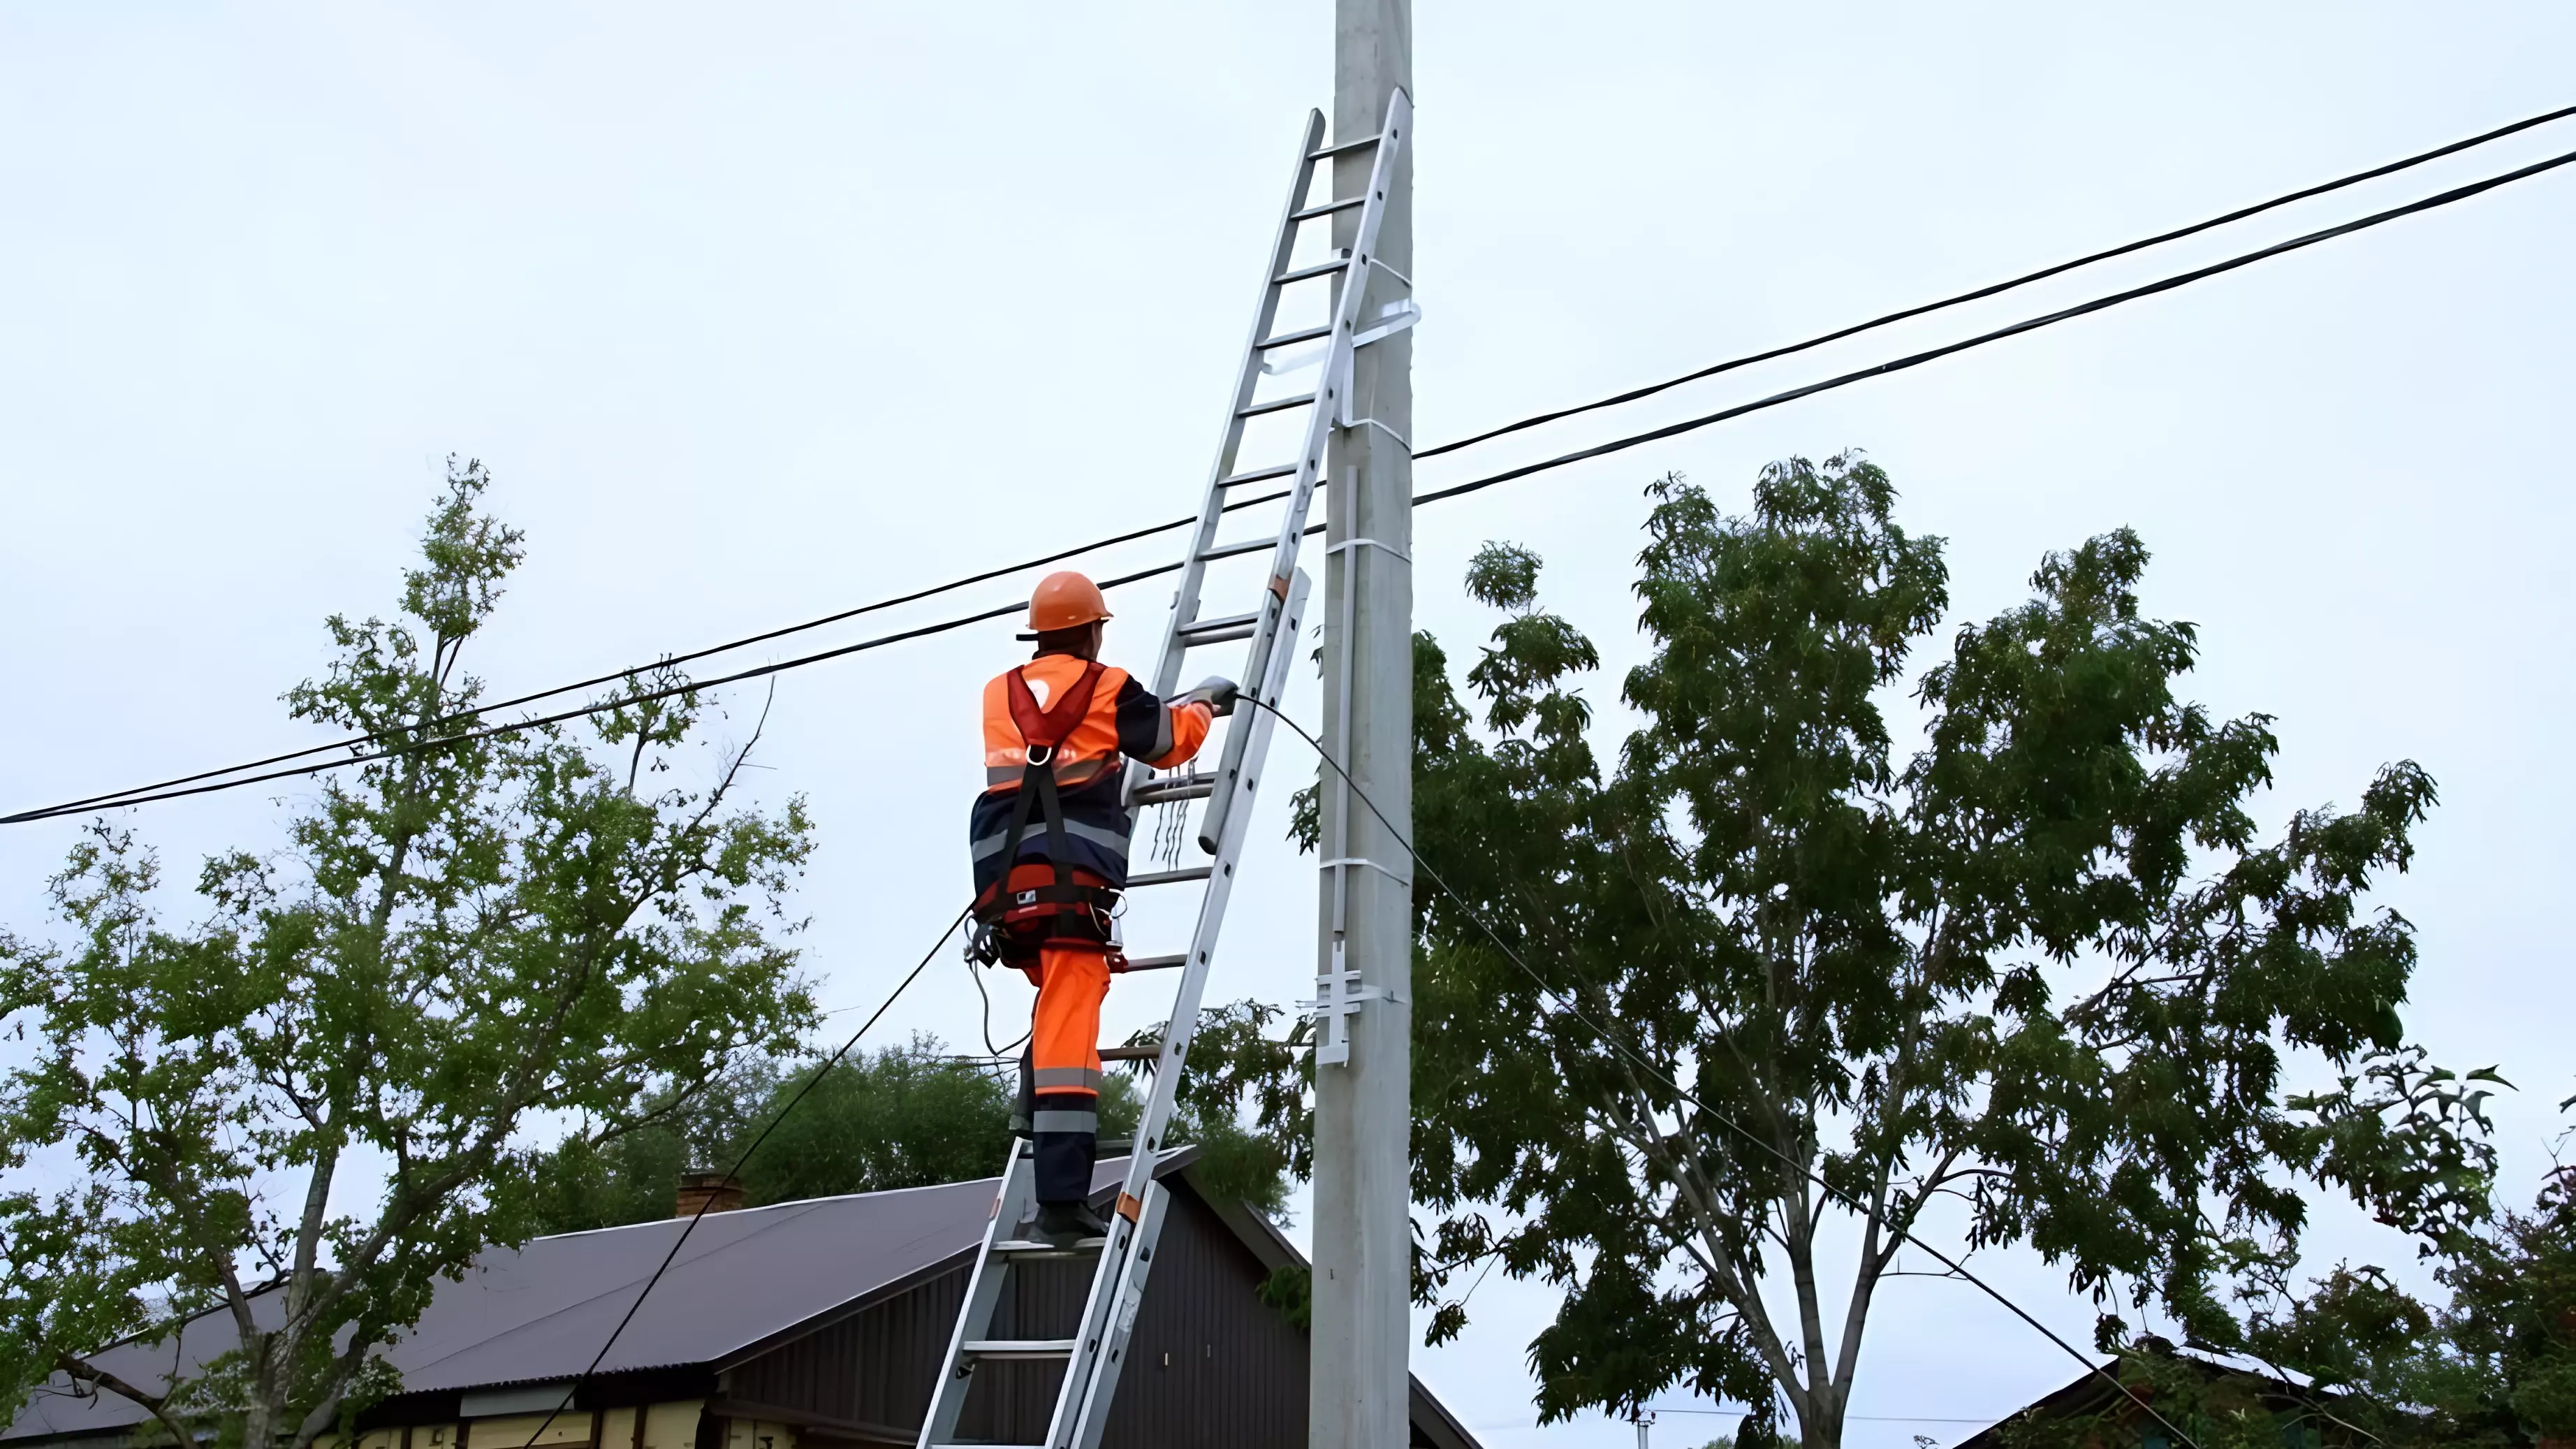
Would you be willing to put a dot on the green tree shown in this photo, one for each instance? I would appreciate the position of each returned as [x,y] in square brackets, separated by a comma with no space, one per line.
[905,1116]
[2493,1365]
[320,1093]
[2040,966]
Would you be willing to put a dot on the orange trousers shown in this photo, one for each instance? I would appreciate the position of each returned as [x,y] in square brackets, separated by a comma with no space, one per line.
[1064,1034]
[1059,1098]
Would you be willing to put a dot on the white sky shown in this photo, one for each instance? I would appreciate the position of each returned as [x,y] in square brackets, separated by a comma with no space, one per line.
[761,313]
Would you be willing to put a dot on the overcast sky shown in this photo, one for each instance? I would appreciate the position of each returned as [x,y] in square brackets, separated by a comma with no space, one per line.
[756,313]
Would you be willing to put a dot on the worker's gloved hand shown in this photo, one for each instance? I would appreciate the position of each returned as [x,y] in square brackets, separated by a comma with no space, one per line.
[1216,692]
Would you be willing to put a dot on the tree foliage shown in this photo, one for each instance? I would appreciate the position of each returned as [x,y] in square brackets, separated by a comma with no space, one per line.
[2494,1365]
[304,1107]
[904,1116]
[2041,964]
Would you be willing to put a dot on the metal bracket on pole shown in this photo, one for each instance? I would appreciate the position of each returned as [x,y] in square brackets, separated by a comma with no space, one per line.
[1405,881]
[1392,318]
[1338,995]
[1332,548]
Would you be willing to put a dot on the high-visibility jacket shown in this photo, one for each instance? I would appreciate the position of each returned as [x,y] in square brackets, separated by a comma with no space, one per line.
[1122,719]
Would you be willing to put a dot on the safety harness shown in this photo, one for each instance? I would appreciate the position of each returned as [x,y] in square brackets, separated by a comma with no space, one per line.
[1013,926]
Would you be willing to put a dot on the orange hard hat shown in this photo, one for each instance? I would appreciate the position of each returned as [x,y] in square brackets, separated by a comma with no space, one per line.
[1065,600]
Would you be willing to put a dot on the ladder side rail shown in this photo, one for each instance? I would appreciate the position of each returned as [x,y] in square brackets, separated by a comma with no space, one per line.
[1092,1417]
[1121,1260]
[1184,1020]
[1167,668]
[983,1291]
[1350,298]
[1202,536]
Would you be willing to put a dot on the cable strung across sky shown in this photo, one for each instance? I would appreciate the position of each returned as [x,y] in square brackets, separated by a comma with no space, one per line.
[2024,280]
[259,771]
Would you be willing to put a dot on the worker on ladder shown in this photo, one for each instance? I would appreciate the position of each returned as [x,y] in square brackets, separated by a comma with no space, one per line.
[1049,838]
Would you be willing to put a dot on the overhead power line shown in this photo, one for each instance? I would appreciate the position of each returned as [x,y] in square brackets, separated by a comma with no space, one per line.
[214,780]
[1618,1044]
[2081,309]
[356,741]
[1535,420]
[2024,280]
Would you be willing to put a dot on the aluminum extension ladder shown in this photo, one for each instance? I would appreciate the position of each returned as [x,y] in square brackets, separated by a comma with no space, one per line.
[1094,1353]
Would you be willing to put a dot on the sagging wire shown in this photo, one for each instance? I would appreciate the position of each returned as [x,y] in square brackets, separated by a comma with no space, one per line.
[1570,1008]
[740,1162]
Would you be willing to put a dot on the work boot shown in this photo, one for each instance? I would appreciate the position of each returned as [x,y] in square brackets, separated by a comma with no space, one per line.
[1063,1224]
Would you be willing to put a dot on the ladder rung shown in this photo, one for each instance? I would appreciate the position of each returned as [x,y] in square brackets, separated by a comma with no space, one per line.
[1157,963]
[1018,1348]
[1219,636]
[1188,787]
[1291,339]
[1232,550]
[1302,274]
[1276,405]
[1328,208]
[1258,475]
[1169,877]
[1196,627]
[1338,150]
[1051,1250]
[1131,1054]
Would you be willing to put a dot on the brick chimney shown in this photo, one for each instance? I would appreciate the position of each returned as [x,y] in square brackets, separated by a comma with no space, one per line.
[717,1192]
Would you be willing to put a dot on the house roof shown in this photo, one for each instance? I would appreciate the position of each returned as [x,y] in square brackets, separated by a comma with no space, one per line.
[537,1313]
[742,1282]
[2096,1390]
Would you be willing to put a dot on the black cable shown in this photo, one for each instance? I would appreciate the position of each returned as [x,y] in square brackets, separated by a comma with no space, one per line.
[729,646]
[487,732]
[1613,1040]
[147,794]
[1529,422]
[975,973]
[2082,309]
[2023,280]
[740,1161]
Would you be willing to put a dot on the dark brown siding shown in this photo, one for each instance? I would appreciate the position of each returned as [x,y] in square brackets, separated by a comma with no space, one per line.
[872,1368]
[1210,1364]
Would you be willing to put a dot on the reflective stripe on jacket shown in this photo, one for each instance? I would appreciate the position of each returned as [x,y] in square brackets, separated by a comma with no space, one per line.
[1124,720]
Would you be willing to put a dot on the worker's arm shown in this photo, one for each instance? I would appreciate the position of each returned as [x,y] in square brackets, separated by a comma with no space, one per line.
[1162,735]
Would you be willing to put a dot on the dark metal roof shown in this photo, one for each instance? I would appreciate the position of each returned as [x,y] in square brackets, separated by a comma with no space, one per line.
[743,1282]
[539,1312]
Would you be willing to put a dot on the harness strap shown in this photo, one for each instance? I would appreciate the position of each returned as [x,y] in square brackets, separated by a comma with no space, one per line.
[1045,729]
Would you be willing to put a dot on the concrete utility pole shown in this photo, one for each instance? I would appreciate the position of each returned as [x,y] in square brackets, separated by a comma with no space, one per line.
[1363,1105]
